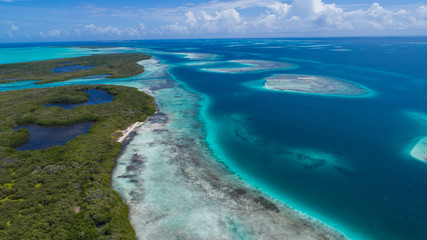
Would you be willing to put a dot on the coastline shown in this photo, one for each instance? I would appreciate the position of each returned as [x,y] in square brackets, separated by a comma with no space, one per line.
[127,132]
[90,162]
[200,188]
[175,187]
[130,132]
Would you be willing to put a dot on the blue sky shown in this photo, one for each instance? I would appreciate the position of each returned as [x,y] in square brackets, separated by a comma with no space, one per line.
[76,20]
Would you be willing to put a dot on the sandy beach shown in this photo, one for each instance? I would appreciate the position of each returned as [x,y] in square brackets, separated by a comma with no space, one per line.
[128,131]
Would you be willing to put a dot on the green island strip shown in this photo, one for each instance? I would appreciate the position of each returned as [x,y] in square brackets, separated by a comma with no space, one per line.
[63,192]
[120,65]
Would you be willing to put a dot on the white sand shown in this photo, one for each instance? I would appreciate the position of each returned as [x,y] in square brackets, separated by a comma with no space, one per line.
[252,66]
[128,130]
[313,84]
[420,150]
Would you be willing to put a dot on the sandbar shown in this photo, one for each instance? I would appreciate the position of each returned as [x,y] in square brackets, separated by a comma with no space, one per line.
[420,150]
[314,84]
[252,66]
[199,56]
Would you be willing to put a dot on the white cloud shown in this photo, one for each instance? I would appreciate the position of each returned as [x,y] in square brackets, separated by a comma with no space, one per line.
[141,27]
[12,29]
[300,16]
[227,20]
[237,18]
[111,31]
[422,12]
[54,33]
[176,28]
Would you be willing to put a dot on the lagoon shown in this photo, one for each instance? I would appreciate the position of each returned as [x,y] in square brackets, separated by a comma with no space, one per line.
[42,137]
[96,96]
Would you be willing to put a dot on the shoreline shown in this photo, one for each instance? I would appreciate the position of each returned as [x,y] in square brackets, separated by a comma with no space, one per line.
[130,132]
[175,187]
[221,194]
[126,132]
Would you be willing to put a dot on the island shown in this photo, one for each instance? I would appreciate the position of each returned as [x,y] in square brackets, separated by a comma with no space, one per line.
[120,65]
[63,192]
[314,84]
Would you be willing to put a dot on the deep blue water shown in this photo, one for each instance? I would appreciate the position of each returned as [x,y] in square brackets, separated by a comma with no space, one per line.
[42,137]
[96,96]
[376,190]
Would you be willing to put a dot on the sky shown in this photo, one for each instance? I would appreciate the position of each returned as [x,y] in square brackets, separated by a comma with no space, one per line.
[78,20]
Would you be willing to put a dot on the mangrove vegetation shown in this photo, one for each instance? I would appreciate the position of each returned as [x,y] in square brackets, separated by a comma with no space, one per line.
[112,65]
[63,192]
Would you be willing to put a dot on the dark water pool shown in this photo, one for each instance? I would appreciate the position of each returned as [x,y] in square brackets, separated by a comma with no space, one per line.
[96,96]
[72,68]
[42,137]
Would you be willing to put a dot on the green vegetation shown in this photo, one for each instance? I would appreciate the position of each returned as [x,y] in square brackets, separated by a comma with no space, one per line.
[115,65]
[64,192]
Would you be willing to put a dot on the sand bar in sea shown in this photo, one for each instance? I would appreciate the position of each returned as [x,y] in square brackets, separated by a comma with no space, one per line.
[313,84]
[420,150]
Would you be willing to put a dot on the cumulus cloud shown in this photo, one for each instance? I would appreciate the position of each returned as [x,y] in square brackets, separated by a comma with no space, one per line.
[111,31]
[141,27]
[176,28]
[12,29]
[236,18]
[300,16]
[41,34]
[227,20]
[54,33]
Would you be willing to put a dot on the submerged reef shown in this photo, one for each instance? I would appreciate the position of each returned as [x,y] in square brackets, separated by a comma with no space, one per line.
[313,159]
[313,84]
[176,189]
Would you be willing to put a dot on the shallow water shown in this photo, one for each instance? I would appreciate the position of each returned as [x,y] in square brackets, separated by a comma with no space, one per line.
[345,161]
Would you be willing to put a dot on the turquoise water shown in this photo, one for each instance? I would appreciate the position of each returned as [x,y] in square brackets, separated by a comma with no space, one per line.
[342,160]
[14,54]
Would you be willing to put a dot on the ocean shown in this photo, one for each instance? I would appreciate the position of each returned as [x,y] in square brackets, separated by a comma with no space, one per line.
[342,160]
